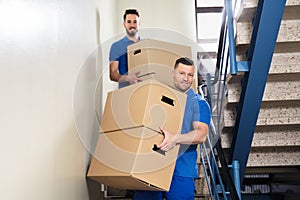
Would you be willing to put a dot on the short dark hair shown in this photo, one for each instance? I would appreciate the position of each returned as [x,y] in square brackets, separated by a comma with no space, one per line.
[130,11]
[183,60]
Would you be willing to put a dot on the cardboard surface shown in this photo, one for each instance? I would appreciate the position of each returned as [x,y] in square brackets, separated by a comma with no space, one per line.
[146,104]
[125,159]
[155,59]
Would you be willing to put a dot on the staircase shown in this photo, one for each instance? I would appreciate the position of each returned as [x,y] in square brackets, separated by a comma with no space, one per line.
[274,159]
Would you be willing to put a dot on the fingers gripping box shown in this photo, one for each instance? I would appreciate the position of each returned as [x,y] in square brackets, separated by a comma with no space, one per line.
[127,159]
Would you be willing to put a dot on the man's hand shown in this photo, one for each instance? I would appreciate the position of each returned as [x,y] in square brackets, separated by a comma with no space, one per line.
[132,78]
[196,136]
[115,76]
[169,141]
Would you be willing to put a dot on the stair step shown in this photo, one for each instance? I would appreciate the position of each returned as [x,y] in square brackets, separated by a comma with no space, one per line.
[271,136]
[275,113]
[288,37]
[277,88]
[288,32]
[200,182]
[280,48]
[248,9]
[201,187]
[283,64]
[273,156]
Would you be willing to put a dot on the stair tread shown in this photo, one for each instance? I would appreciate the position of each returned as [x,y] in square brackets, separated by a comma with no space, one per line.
[271,136]
[248,9]
[288,32]
[279,90]
[273,156]
[269,114]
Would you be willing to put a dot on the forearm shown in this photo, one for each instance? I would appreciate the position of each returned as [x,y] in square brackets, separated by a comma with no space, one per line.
[114,76]
[192,137]
[124,78]
[195,136]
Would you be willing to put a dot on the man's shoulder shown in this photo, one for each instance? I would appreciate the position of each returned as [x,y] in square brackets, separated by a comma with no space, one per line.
[197,97]
[191,93]
[120,41]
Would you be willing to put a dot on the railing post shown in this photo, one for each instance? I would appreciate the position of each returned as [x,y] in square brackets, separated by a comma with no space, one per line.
[232,51]
[235,167]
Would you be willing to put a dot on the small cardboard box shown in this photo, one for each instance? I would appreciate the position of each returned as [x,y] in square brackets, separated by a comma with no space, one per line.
[146,104]
[155,59]
[128,159]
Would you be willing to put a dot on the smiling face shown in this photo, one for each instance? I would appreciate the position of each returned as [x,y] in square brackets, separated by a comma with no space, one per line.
[131,24]
[183,76]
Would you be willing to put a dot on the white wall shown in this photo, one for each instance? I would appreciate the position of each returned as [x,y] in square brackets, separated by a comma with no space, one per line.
[51,97]
[48,72]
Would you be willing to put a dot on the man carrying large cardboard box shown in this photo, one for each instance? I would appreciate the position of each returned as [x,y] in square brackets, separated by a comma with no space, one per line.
[194,131]
[135,174]
[126,155]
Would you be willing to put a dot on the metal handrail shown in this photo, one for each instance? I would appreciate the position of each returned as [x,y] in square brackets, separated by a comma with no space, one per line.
[226,54]
[210,165]
[231,35]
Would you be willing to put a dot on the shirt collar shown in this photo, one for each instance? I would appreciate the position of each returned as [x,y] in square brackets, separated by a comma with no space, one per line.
[190,91]
[126,38]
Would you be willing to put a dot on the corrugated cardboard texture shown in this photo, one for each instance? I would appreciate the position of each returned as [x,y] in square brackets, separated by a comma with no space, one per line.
[125,159]
[149,103]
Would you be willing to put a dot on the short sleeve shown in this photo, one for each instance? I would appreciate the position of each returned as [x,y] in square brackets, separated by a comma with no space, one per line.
[202,111]
[113,53]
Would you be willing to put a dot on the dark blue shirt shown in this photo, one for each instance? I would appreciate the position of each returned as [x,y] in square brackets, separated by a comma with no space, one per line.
[196,109]
[118,52]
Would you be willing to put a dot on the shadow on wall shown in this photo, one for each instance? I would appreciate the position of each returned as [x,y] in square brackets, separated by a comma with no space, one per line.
[91,67]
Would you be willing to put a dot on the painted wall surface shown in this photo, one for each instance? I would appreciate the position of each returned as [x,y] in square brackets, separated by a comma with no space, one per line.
[53,84]
[49,72]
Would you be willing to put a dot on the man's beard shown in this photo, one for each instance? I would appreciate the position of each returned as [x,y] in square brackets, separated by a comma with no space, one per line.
[131,33]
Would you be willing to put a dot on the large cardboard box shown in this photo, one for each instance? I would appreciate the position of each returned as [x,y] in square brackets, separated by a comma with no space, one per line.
[155,59]
[127,159]
[125,156]
[146,104]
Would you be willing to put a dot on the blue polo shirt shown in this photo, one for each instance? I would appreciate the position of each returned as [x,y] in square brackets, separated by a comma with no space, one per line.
[118,52]
[196,109]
